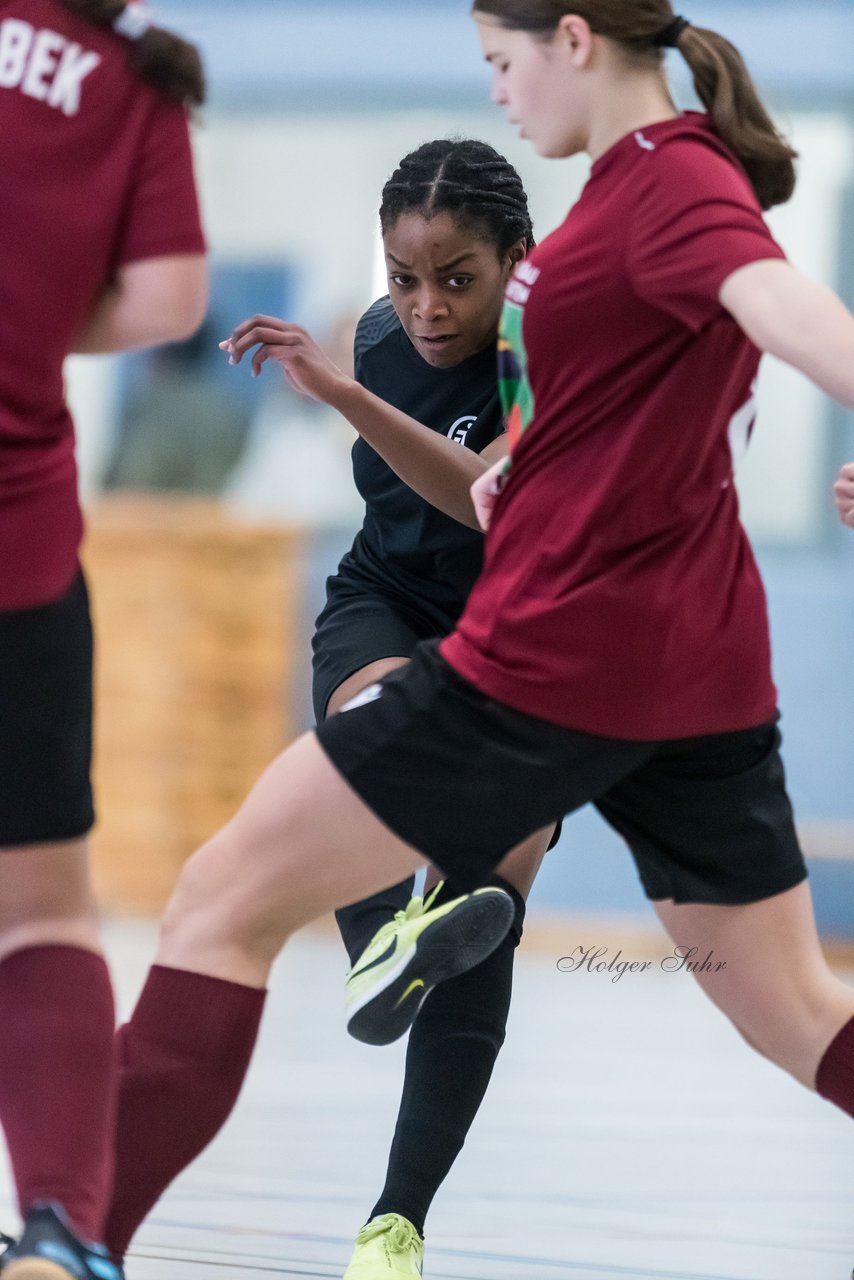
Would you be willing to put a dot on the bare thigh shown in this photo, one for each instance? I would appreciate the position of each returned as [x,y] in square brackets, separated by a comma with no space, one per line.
[776,987]
[302,844]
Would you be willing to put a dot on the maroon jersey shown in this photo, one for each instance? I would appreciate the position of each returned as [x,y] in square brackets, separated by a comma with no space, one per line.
[96,172]
[619,593]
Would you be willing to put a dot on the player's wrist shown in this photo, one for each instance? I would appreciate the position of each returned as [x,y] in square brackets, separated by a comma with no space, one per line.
[346,395]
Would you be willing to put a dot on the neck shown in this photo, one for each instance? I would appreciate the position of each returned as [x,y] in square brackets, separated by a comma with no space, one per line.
[628,105]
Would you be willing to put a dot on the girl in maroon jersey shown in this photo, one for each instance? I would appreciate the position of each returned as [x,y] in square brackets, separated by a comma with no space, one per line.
[615,648]
[101,250]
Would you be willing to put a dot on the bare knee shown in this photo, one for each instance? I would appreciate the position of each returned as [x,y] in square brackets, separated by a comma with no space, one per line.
[46,899]
[215,924]
[520,866]
[791,1024]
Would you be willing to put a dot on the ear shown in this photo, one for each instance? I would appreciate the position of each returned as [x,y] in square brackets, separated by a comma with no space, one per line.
[573,34]
[516,253]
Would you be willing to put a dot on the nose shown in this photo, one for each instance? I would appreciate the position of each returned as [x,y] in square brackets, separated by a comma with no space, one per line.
[430,304]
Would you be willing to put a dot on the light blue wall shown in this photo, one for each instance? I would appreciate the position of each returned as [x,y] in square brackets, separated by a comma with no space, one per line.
[323,53]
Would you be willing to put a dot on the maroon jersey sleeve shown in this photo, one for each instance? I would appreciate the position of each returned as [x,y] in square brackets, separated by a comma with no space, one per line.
[694,222]
[162,215]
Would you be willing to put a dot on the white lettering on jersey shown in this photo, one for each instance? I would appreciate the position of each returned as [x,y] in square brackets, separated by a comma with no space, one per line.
[366,695]
[15,41]
[740,426]
[43,65]
[43,62]
[521,282]
[459,430]
[75,66]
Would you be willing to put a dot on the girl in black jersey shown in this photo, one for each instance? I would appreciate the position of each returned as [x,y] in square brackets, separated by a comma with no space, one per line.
[455,222]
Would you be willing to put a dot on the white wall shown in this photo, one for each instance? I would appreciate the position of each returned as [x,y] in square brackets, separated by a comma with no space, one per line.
[309,188]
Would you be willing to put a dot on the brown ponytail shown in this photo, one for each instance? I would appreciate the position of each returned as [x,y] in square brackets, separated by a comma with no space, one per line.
[726,90]
[170,64]
[722,81]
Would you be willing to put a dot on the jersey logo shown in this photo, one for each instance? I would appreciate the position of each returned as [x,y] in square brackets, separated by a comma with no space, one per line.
[522,282]
[366,695]
[43,65]
[460,429]
[644,143]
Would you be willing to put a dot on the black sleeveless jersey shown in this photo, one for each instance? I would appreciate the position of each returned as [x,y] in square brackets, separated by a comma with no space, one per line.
[405,545]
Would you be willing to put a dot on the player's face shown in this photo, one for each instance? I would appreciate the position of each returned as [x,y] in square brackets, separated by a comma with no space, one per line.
[446,286]
[537,82]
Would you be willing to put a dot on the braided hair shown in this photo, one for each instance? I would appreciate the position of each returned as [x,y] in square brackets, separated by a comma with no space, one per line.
[467,179]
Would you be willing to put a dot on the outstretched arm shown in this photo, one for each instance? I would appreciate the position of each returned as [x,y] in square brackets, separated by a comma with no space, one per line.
[805,324]
[797,320]
[436,468]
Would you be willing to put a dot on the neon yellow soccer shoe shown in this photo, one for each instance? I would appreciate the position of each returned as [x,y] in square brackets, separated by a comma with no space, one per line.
[421,946]
[387,1248]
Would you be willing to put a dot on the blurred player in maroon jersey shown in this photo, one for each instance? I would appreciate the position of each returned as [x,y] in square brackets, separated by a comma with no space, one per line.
[101,249]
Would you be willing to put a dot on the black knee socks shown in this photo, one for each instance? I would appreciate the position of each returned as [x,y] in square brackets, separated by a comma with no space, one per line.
[453,1045]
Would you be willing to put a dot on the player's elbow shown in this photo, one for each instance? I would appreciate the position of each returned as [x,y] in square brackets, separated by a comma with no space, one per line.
[162,299]
[184,302]
[187,314]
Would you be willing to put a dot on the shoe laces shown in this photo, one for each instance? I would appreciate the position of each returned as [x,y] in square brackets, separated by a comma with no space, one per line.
[399,1234]
[414,908]
[433,895]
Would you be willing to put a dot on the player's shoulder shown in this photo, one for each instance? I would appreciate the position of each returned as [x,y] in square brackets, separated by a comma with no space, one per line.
[378,322]
[690,150]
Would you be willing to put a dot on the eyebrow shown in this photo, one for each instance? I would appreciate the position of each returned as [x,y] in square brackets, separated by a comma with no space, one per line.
[445,266]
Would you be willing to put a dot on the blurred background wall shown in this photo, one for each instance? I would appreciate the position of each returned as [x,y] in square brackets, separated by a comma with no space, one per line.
[311,106]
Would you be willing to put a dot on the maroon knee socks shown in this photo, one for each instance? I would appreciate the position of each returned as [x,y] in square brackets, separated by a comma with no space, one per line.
[57,1079]
[835,1077]
[182,1059]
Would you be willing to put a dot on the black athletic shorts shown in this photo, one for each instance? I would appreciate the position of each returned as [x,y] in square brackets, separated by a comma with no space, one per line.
[46,721]
[463,779]
[360,625]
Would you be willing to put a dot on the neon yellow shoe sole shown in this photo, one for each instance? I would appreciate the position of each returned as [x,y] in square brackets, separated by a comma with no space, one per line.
[409,955]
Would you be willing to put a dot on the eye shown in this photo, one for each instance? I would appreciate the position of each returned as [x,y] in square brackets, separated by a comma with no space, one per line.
[400,281]
[459,282]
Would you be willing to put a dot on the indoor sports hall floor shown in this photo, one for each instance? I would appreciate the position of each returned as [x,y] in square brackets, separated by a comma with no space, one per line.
[628,1135]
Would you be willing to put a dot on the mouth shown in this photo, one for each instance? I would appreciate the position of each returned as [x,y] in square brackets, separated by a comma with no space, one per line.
[436,341]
